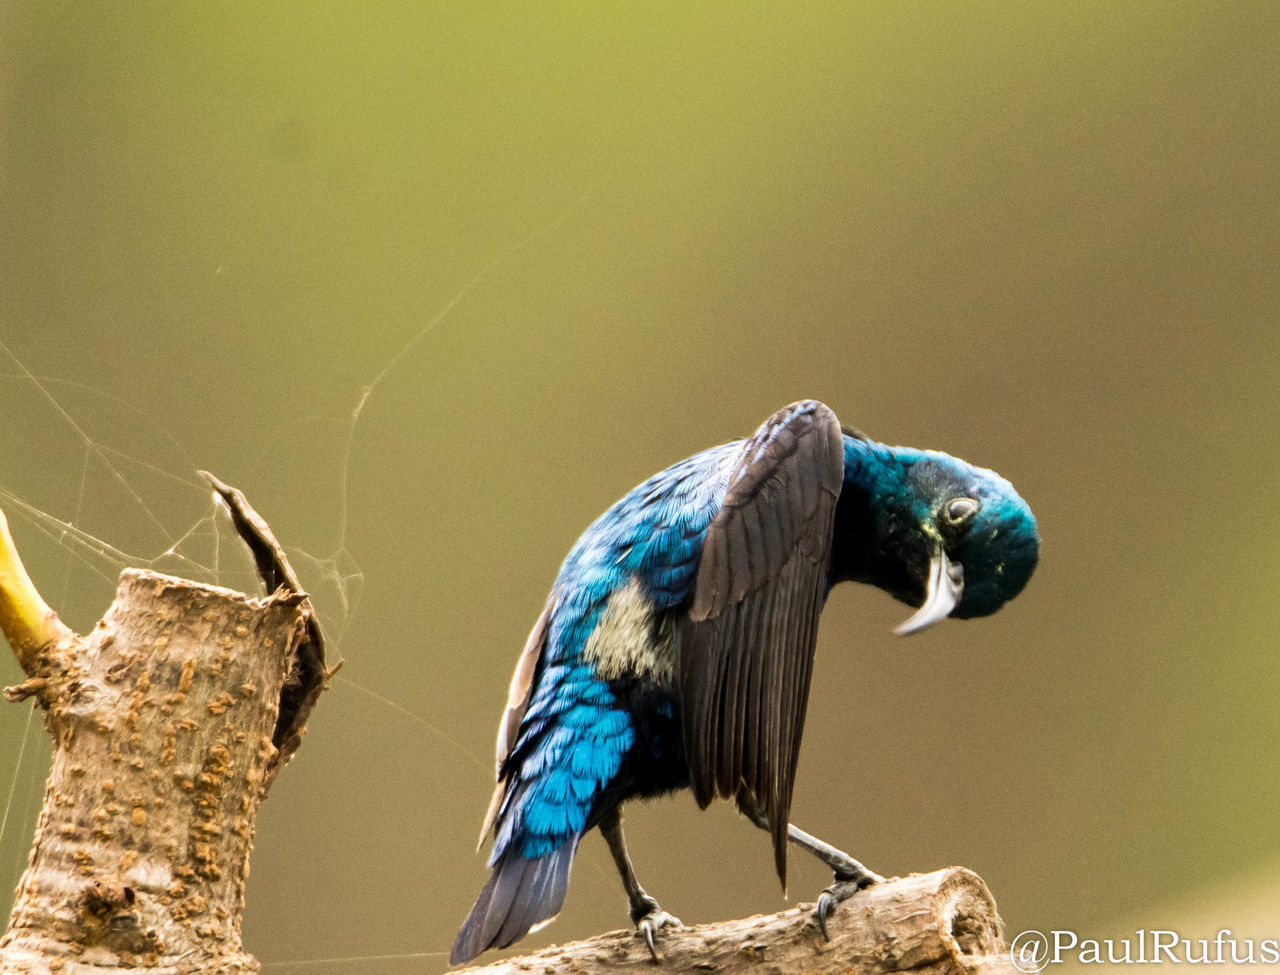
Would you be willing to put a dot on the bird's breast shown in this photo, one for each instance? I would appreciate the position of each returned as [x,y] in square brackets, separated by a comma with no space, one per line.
[632,640]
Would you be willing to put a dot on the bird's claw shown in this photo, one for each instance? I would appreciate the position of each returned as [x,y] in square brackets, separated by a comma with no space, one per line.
[651,924]
[838,892]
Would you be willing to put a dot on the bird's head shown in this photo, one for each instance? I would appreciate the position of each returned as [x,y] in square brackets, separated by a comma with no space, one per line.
[953,539]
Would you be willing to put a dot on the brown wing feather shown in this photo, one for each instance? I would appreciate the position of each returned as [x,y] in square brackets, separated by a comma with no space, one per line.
[517,703]
[746,652]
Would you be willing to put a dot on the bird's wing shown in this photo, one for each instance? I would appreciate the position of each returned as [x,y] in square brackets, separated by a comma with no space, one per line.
[747,641]
[518,696]
[563,733]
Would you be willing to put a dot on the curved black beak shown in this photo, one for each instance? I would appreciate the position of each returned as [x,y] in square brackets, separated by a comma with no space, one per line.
[946,583]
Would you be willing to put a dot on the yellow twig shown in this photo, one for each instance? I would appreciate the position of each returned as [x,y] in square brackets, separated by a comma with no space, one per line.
[25,619]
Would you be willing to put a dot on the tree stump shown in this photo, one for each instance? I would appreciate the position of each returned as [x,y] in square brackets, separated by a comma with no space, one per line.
[170,720]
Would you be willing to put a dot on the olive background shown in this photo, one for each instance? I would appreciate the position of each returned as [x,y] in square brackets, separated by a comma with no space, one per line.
[436,283]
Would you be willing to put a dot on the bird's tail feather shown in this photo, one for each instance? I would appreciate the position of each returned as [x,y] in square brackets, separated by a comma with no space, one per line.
[520,894]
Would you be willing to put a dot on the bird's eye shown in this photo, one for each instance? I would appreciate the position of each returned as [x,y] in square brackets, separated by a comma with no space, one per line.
[957,511]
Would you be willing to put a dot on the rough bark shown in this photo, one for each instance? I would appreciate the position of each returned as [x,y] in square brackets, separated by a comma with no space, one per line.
[169,722]
[940,923]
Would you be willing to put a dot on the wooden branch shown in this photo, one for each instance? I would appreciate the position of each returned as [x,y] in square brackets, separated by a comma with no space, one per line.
[307,675]
[940,923]
[169,721]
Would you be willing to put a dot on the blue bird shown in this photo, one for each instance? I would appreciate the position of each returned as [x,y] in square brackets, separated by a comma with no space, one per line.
[676,646]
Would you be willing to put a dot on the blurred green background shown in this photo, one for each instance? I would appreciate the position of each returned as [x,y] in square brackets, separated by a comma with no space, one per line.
[562,246]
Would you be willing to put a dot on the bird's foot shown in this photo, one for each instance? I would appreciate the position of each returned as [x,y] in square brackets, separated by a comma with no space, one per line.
[843,888]
[649,924]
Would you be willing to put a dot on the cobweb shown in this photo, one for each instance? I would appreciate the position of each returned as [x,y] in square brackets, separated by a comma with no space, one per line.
[135,479]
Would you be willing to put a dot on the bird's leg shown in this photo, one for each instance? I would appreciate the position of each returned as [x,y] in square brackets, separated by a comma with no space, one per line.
[646,915]
[851,876]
